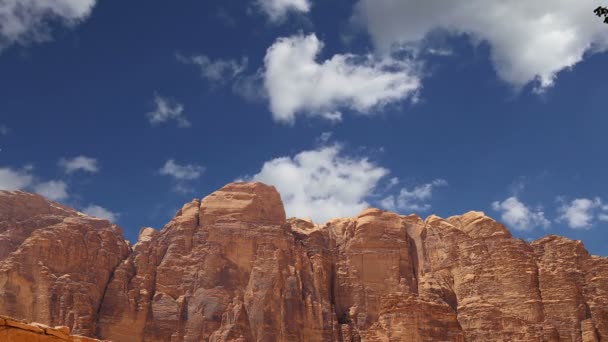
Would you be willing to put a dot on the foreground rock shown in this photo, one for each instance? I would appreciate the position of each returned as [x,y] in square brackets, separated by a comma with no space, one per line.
[232,268]
[12,330]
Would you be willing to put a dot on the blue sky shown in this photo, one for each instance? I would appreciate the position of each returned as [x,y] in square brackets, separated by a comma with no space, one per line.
[128,111]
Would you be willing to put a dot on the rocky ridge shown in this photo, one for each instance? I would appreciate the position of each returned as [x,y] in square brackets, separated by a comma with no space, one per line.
[231,267]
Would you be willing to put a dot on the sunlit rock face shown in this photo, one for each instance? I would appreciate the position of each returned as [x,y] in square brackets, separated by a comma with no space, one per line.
[231,267]
[55,263]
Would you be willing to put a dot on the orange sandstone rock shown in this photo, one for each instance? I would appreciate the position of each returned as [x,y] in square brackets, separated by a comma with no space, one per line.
[231,267]
[13,330]
[55,262]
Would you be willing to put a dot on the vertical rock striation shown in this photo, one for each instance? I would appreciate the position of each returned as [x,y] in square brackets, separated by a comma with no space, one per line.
[231,267]
[55,262]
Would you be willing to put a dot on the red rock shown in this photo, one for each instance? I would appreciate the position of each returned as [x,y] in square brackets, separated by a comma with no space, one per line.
[12,330]
[58,263]
[230,267]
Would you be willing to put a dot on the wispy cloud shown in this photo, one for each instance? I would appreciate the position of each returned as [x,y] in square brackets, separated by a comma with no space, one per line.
[219,70]
[168,110]
[79,163]
[101,212]
[414,199]
[181,174]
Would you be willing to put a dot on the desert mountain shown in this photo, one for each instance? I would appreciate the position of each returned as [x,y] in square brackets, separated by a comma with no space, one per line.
[231,267]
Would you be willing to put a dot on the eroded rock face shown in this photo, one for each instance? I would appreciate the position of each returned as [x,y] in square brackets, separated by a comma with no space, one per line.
[225,268]
[55,262]
[232,268]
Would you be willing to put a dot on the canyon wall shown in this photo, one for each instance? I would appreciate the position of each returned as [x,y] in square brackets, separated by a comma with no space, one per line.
[231,267]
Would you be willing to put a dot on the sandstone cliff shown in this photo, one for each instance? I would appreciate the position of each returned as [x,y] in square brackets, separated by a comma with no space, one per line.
[232,268]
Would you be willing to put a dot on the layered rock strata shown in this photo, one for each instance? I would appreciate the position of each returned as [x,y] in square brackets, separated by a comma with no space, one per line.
[231,267]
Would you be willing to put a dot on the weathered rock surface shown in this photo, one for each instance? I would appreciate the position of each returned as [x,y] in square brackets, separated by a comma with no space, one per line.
[232,268]
[13,330]
[55,262]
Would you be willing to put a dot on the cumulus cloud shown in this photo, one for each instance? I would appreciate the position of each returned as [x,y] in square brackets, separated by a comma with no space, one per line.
[101,212]
[25,21]
[519,216]
[79,163]
[415,200]
[581,213]
[296,83]
[167,110]
[219,70]
[277,10]
[529,40]
[322,183]
[11,179]
[53,190]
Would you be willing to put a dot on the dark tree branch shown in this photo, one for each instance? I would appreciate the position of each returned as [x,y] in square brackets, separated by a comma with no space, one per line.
[602,12]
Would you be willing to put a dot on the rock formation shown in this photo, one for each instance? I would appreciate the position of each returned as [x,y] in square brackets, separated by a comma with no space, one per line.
[55,263]
[232,268]
[12,330]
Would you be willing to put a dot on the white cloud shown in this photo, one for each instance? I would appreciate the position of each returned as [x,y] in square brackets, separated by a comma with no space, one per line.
[24,21]
[323,183]
[277,10]
[412,200]
[181,172]
[581,213]
[23,179]
[15,179]
[79,163]
[603,216]
[529,40]
[297,84]
[167,110]
[219,70]
[53,190]
[4,130]
[518,216]
[101,212]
